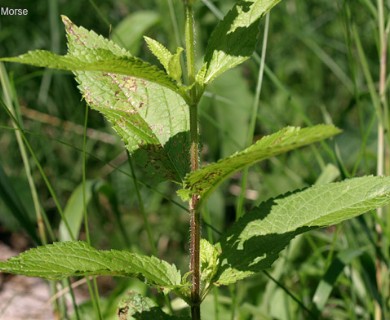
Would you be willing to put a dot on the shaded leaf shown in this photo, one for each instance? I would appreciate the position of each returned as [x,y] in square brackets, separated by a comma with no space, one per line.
[76,258]
[234,39]
[135,306]
[255,241]
[206,179]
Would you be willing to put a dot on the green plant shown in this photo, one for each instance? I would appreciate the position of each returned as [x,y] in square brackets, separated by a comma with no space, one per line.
[156,116]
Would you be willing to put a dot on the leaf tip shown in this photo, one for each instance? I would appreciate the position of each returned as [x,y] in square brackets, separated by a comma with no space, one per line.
[66,20]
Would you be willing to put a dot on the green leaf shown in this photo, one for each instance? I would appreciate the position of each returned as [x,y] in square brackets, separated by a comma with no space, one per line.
[76,258]
[141,101]
[171,62]
[159,50]
[129,32]
[209,265]
[234,39]
[135,306]
[233,112]
[11,197]
[337,266]
[151,119]
[206,179]
[254,241]
[174,67]
[74,210]
[97,60]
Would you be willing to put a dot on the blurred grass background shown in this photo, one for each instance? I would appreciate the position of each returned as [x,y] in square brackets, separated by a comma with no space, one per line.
[314,73]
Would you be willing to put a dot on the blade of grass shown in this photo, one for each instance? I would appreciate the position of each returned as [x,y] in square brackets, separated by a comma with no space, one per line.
[92,285]
[255,109]
[43,174]
[175,25]
[142,207]
[11,105]
[15,205]
[330,277]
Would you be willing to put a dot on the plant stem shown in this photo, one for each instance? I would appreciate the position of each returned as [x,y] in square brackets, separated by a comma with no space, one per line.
[381,152]
[195,219]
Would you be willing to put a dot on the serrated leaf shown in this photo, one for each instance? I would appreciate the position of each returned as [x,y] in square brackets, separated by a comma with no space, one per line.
[206,179]
[151,119]
[142,102]
[97,60]
[171,62]
[159,51]
[234,39]
[76,258]
[255,241]
[135,306]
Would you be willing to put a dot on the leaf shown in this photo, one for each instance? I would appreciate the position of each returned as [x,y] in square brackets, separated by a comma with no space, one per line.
[337,266]
[11,197]
[255,241]
[74,210]
[142,102]
[151,119]
[174,67]
[129,32]
[76,258]
[209,265]
[135,306]
[159,50]
[171,62]
[203,181]
[233,112]
[97,60]
[234,38]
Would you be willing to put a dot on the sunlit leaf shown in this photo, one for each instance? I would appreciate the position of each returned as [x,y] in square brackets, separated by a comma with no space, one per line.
[76,258]
[144,105]
[203,181]
[255,241]
[234,39]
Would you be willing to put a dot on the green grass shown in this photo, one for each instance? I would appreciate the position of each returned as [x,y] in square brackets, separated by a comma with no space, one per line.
[321,65]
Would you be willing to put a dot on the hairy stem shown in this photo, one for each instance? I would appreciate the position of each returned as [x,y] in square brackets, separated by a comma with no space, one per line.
[195,219]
